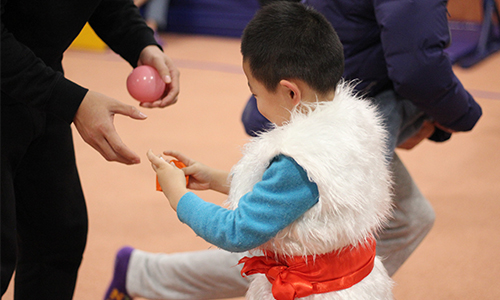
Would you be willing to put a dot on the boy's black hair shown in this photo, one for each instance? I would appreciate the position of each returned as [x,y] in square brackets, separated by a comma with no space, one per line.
[286,40]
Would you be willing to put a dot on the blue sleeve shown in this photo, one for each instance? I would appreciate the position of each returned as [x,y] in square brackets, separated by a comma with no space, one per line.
[414,35]
[284,194]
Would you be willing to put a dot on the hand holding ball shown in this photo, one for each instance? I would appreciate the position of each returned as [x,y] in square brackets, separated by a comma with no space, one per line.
[145,84]
[179,165]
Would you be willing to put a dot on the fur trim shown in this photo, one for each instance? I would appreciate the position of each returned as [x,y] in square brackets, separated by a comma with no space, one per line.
[341,145]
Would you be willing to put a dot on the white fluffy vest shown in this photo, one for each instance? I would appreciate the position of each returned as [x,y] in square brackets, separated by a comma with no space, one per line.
[341,145]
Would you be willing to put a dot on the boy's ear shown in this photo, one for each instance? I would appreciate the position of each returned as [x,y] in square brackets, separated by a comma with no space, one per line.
[291,90]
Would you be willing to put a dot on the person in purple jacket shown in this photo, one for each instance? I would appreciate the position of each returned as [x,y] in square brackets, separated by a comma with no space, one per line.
[395,49]
[44,217]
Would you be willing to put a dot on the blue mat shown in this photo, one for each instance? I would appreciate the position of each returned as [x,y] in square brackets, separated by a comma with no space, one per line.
[211,17]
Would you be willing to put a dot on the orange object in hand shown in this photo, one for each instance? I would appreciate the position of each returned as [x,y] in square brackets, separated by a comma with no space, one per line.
[178,164]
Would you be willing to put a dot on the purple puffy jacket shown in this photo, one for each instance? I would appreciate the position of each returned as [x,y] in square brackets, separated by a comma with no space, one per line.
[399,44]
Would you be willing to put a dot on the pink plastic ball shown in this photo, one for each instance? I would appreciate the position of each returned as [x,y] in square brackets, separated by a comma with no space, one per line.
[145,84]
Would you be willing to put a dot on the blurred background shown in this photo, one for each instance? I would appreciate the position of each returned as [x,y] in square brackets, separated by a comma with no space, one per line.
[458,259]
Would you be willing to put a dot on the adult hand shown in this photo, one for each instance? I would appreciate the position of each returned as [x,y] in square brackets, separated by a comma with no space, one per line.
[94,122]
[445,129]
[425,132]
[154,57]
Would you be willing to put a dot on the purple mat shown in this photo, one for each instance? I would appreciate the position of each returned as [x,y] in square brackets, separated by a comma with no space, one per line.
[464,39]
[471,43]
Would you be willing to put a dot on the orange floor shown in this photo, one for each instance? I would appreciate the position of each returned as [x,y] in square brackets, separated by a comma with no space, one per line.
[458,260]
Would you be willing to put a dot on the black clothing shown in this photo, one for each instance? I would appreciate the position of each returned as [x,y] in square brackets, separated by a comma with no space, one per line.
[44,217]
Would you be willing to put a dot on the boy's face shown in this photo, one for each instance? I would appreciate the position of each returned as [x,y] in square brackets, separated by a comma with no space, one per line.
[273,105]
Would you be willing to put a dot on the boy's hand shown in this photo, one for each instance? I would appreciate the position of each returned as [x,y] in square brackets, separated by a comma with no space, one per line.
[171,178]
[199,175]
[202,177]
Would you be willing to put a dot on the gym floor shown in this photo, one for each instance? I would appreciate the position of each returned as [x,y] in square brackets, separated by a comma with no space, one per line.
[457,260]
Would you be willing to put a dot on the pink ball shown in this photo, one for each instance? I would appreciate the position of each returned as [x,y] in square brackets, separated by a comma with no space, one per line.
[145,84]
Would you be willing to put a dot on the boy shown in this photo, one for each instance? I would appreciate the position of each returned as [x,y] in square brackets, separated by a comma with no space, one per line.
[309,194]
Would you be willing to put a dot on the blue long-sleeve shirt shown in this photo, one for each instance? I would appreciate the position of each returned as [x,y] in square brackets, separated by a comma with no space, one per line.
[284,194]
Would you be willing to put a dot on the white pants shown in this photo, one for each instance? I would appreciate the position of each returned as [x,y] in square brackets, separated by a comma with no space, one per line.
[208,274]
[214,274]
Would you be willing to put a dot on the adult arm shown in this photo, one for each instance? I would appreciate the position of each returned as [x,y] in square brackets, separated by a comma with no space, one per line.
[284,194]
[27,79]
[414,35]
[120,25]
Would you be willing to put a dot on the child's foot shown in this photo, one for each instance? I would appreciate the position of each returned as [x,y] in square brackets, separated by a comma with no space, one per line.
[117,290]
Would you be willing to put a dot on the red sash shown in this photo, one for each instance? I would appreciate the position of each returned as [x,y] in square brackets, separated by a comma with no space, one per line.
[297,276]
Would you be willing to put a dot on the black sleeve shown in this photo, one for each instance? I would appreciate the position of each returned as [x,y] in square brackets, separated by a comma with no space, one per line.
[120,25]
[26,78]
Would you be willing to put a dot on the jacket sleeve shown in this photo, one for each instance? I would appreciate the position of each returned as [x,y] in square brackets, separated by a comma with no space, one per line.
[120,25]
[26,78]
[414,35]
